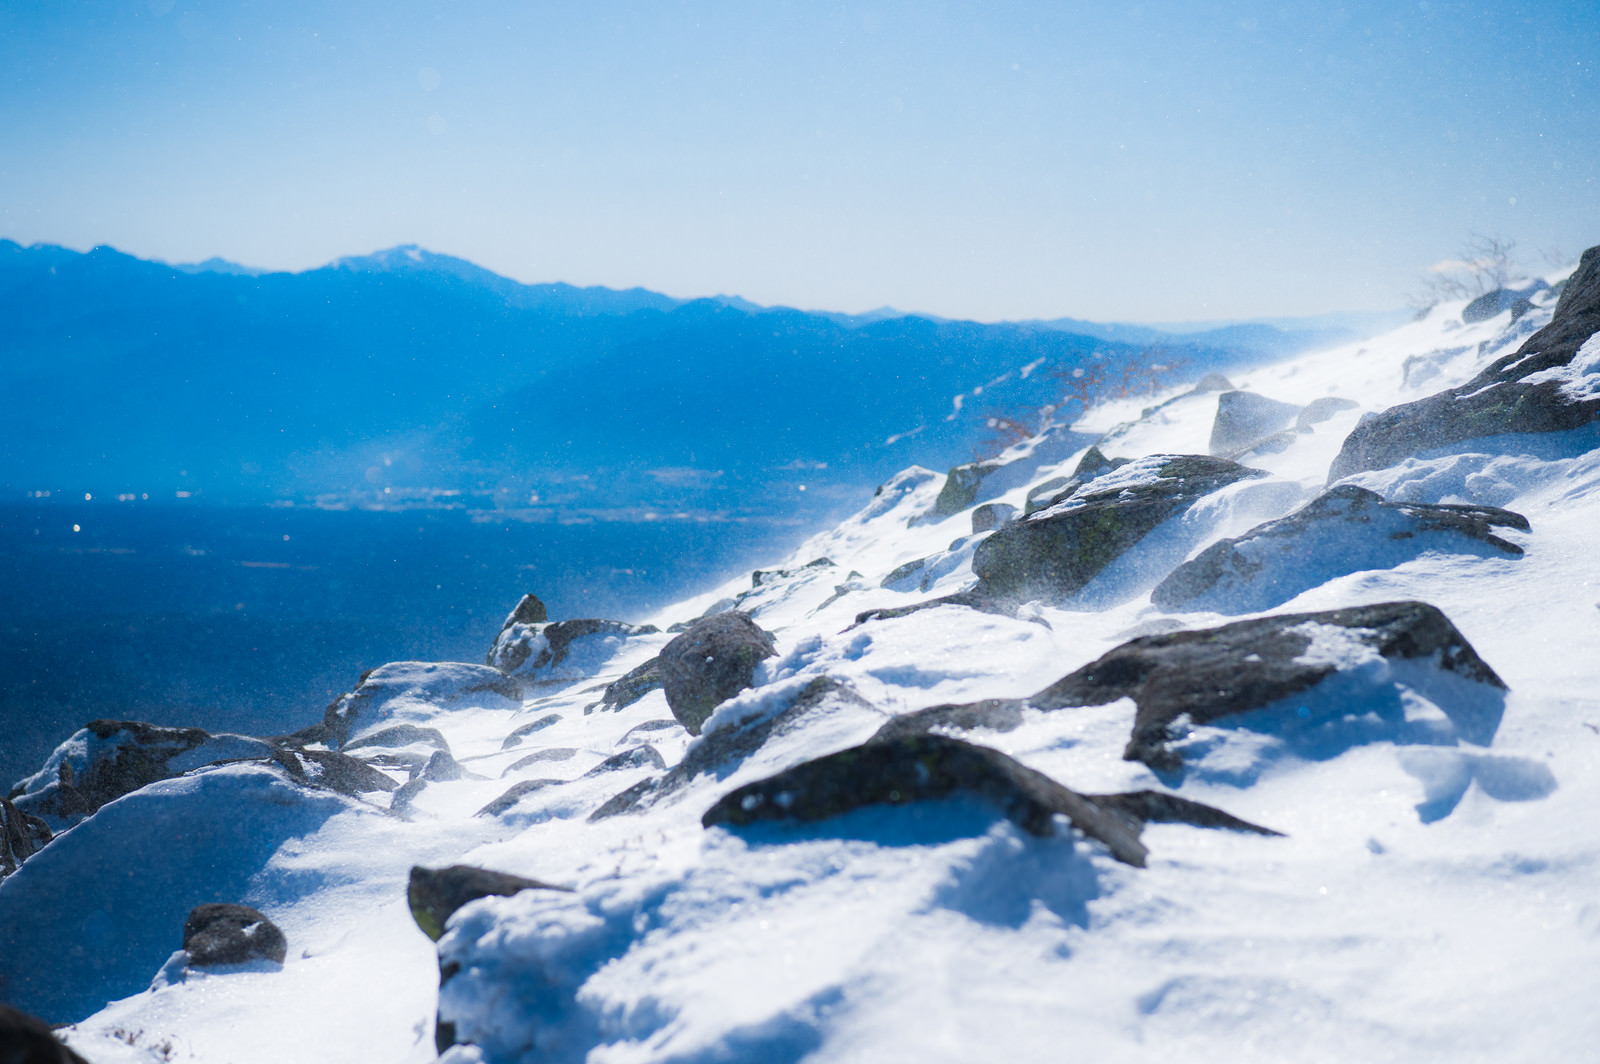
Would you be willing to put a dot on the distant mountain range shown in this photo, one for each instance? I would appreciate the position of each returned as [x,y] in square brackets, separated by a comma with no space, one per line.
[421,373]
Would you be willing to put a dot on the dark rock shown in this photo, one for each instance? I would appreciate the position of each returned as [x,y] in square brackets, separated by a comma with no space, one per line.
[1158,807]
[521,733]
[554,753]
[972,599]
[21,835]
[223,933]
[1205,675]
[436,893]
[650,726]
[1048,493]
[642,756]
[1500,300]
[1245,417]
[442,767]
[638,682]
[1056,551]
[961,487]
[1500,400]
[26,1039]
[514,795]
[529,611]
[335,771]
[531,649]
[711,662]
[1346,529]
[921,768]
[991,515]
[764,577]
[720,752]
[1319,410]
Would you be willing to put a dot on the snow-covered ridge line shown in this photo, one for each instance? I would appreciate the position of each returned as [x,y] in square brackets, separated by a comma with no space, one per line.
[888,799]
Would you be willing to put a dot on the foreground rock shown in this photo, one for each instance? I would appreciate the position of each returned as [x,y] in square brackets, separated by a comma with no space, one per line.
[1345,530]
[710,662]
[26,1039]
[1549,384]
[219,933]
[434,894]
[1057,550]
[1196,677]
[918,768]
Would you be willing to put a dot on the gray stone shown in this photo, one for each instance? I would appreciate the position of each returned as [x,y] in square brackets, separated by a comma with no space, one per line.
[991,515]
[530,650]
[1245,417]
[224,933]
[1319,410]
[711,662]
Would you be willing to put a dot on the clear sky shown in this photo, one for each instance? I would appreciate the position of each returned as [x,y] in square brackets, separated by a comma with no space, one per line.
[1113,161]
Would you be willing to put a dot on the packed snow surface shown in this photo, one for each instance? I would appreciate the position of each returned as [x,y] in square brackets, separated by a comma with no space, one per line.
[1428,901]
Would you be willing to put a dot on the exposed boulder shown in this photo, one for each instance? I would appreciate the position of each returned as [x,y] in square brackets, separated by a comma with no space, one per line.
[1188,678]
[412,692]
[1549,384]
[991,515]
[436,893]
[1243,418]
[26,1039]
[961,487]
[1500,300]
[530,610]
[919,768]
[21,835]
[515,794]
[525,730]
[1056,551]
[1319,410]
[561,650]
[107,759]
[220,933]
[711,662]
[335,771]
[1347,529]
[641,756]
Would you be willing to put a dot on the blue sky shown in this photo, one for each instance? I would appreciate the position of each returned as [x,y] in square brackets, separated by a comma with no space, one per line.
[1156,161]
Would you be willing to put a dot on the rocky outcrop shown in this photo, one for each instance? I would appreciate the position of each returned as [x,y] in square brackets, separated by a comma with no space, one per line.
[21,835]
[434,894]
[1243,418]
[221,933]
[1056,551]
[1549,384]
[711,662]
[1346,529]
[920,768]
[560,650]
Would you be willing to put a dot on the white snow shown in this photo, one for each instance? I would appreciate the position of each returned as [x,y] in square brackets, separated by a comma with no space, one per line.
[1431,901]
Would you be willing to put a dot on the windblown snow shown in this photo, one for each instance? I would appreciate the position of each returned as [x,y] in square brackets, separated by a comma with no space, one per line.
[1431,896]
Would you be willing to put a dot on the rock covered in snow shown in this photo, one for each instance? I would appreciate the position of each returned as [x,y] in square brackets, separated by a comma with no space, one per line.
[711,662]
[220,933]
[412,692]
[1549,384]
[560,650]
[1056,551]
[1346,529]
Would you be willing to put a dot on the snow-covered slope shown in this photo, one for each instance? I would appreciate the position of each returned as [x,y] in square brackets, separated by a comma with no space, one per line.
[1434,775]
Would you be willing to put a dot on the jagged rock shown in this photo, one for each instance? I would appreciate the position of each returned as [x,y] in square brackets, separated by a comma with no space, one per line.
[721,751]
[1208,674]
[642,756]
[561,650]
[21,835]
[1549,384]
[26,1039]
[634,685]
[1346,529]
[516,737]
[224,933]
[711,662]
[1319,410]
[415,689]
[1056,551]
[991,515]
[1245,417]
[436,893]
[916,768]
[107,759]
[333,770]
[961,487]
[528,611]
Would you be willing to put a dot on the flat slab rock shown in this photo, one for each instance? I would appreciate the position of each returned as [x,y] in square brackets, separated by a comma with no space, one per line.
[1057,550]
[1347,529]
[1209,674]
[917,768]
[1549,384]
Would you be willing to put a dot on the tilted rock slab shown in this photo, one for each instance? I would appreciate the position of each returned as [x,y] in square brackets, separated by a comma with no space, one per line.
[918,768]
[1549,384]
[1347,529]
